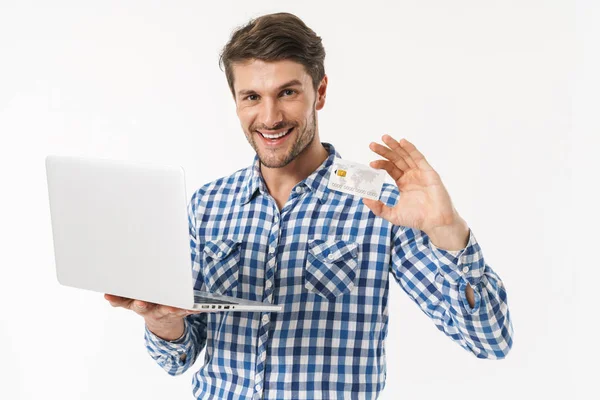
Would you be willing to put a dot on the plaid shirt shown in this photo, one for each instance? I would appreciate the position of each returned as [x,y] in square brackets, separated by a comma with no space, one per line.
[327,260]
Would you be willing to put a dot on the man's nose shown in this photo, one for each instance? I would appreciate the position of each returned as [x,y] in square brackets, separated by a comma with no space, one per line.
[271,114]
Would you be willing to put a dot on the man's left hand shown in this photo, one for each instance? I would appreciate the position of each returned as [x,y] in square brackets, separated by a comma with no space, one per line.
[424,202]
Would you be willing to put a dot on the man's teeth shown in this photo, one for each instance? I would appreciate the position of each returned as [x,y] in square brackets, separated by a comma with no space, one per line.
[276,136]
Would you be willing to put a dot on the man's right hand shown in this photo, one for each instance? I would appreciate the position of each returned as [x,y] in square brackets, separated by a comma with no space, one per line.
[164,321]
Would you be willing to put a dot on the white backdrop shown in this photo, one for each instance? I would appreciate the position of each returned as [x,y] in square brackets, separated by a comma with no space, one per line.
[484,88]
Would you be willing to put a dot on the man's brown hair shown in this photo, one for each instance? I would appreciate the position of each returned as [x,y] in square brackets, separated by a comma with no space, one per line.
[275,37]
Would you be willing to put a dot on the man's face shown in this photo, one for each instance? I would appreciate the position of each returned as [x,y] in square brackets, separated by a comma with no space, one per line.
[276,104]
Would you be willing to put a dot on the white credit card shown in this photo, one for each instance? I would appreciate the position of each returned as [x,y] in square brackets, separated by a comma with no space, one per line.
[356,179]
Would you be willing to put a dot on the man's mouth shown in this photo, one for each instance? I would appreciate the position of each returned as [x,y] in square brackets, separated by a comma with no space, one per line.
[275,135]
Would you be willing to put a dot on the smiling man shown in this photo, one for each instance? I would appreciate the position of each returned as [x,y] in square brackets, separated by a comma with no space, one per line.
[327,257]
[277,105]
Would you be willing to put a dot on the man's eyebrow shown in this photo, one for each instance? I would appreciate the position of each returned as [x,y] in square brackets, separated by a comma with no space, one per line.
[293,82]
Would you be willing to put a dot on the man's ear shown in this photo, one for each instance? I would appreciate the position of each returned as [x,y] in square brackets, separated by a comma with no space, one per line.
[321,93]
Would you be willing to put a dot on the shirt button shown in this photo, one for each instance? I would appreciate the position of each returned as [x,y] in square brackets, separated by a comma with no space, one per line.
[272,250]
[269,284]
[265,318]
[257,387]
[465,270]
[330,257]
[220,254]
[298,189]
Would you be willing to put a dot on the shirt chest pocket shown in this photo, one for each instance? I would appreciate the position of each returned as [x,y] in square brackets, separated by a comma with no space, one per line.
[331,267]
[221,265]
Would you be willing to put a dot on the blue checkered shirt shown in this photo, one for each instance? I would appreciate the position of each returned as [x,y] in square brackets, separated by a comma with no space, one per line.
[327,260]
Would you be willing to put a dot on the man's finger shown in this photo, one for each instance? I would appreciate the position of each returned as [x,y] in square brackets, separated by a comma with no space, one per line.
[112,298]
[391,155]
[117,301]
[184,313]
[415,155]
[177,312]
[141,307]
[391,168]
[395,146]
[164,311]
[380,209]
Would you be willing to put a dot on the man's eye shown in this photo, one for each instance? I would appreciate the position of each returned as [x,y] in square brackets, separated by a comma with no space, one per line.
[289,92]
[252,97]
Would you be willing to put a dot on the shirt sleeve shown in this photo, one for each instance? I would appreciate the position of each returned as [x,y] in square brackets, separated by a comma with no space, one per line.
[436,280]
[177,356]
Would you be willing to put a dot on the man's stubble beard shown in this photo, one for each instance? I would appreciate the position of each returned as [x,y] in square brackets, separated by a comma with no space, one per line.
[303,140]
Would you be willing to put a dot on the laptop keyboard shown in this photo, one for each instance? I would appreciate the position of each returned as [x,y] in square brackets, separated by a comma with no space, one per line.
[210,300]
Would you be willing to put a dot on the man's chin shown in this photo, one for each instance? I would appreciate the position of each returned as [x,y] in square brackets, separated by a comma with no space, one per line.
[272,158]
[274,162]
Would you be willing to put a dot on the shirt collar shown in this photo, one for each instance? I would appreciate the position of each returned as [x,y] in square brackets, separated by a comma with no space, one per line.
[316,182]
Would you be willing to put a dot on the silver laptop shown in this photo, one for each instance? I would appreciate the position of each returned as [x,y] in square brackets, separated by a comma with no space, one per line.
[122,228]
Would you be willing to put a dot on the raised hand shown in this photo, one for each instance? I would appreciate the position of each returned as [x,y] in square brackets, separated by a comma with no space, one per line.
[424,202]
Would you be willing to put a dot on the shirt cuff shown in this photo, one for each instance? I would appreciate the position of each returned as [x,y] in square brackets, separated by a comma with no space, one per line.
[180,349]
[457,265]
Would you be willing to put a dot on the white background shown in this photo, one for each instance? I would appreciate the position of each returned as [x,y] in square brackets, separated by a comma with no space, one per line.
[494,93]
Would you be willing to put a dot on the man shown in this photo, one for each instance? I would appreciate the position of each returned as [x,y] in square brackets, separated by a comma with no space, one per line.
[274,232]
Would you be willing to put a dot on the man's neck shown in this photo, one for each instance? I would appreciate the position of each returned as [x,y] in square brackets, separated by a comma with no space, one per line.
[281,181]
